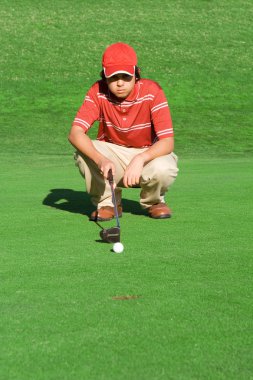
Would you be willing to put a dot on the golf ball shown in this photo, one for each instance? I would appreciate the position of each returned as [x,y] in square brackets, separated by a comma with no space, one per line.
[118,247]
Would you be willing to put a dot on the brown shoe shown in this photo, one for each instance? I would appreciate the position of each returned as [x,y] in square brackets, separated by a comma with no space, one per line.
[159,211]
[105,213]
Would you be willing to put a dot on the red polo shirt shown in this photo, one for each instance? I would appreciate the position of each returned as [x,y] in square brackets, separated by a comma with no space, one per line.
[138,121]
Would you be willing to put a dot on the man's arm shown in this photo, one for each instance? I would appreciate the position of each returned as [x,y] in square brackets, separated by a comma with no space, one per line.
[134,169]
[160,148]
[83,144]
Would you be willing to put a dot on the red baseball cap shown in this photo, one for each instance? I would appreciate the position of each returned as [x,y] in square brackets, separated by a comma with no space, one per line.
[119,58]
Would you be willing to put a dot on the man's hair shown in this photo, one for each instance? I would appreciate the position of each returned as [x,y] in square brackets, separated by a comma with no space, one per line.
[137,74]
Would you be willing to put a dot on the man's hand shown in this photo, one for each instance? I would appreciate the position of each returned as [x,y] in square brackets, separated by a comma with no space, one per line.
[133,171]
[105,165]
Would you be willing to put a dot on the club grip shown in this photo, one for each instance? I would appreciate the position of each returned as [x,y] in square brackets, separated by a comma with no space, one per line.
[110,176]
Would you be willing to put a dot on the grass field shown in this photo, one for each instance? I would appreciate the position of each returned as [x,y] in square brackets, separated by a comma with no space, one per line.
[177,304]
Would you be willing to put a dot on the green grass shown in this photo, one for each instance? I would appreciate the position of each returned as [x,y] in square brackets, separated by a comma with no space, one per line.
[199,51]
[192,274]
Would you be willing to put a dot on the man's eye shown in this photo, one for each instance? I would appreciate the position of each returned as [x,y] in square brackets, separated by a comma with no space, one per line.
[127,77]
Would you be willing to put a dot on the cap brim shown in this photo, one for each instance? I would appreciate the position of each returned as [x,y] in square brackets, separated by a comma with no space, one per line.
[113,70]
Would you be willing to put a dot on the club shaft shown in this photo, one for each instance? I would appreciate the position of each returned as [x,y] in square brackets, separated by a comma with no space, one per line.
[115,204]
[110,177]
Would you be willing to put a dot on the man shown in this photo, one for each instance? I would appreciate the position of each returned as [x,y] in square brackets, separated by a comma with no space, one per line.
[135,137]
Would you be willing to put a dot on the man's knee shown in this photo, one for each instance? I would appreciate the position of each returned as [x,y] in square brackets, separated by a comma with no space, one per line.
[161,168]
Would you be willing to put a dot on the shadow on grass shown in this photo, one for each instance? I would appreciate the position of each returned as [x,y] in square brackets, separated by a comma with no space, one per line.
[79,202]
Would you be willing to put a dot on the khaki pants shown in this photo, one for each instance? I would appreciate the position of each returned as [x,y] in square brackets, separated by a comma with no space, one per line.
[157,175]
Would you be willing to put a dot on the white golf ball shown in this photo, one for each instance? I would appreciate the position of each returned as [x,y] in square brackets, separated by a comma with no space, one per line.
[118,247]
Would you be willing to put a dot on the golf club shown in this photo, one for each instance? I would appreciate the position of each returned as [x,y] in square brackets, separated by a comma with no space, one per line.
[112,235]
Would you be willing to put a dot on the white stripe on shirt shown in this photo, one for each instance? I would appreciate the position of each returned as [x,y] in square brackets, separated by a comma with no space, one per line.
[82,122]
[88,99]
[159,106]
[132,128]
[165,132]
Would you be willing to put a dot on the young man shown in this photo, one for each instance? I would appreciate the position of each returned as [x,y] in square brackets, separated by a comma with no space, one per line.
[134,140]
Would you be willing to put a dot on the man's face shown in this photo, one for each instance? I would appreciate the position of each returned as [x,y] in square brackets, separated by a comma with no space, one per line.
[121,85]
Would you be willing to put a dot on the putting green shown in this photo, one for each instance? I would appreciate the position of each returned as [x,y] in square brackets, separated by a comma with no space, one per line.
[176,303]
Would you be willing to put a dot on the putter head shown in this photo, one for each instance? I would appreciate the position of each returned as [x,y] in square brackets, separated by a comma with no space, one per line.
[110,235]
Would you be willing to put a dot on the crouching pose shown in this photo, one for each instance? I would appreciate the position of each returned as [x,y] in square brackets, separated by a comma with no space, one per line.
[135,137]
